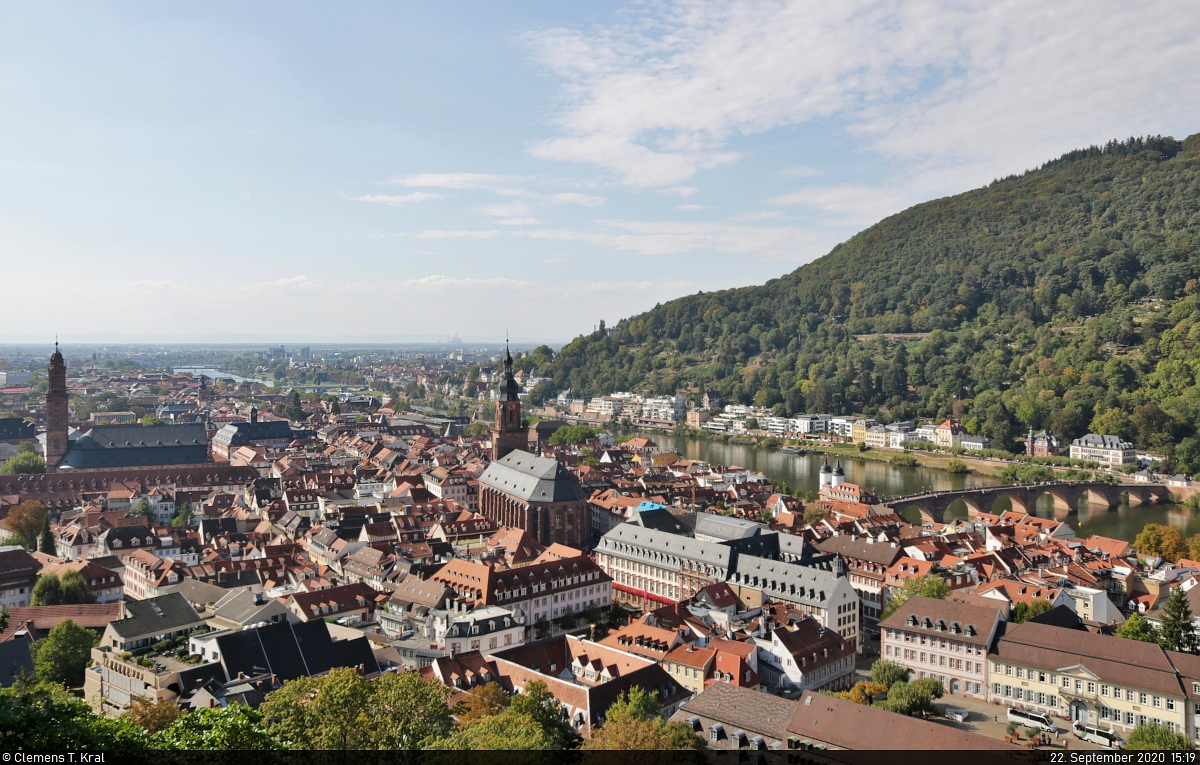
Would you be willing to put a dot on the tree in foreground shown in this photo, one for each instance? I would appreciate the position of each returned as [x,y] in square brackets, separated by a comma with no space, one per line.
[345,711]
[1136,627]
[928,586]
[1178,633]
[64,655]
[1158,738]
[633,722]
[507,730]
[480,702]
[538,704]
[152,716]
[45,717]
[235,727]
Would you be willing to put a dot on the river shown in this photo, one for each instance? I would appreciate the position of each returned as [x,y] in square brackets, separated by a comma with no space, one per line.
[213,374]
[801,474]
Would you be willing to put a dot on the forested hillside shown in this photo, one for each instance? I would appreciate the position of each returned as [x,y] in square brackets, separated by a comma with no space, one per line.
[1065,295]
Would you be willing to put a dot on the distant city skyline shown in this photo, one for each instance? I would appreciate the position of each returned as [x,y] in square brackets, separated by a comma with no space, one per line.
[411,170]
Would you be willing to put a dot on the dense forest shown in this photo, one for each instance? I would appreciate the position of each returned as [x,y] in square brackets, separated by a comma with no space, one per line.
[1065,298]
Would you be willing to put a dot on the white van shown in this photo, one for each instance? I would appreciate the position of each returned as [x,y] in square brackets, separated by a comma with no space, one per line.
[1097,735]
[1032,720]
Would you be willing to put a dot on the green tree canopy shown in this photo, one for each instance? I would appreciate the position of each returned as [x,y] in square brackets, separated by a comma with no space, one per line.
[345,711]
[1178,633]
[538,704]
[46,540]
[235,727]
[1157,738]
[45,717]
[183,516]
[633,722]
[572,434]
[929,586]
[1136,627]
[1025,611]
[64,654]
[888,673]
[24,462]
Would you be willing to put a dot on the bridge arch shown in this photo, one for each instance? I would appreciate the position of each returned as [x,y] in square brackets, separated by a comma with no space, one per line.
[1017,499]
[1064,497]
[1100,495]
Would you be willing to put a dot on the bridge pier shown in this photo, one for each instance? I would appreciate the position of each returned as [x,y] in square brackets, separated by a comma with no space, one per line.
[1067,495]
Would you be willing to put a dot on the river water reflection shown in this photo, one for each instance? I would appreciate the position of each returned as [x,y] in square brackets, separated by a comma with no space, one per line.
[801,473]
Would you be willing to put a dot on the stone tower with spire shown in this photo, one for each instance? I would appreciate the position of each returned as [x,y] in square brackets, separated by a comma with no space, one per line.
[56,411]
[508,432]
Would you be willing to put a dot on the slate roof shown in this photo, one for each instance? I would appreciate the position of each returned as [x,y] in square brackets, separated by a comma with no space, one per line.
[160,615]
[724,527]
[15,660]
[807,585]
[1100,441]
[289,651]
[109,446]
[532,478]
[674,546]
[243,433]
[15,428]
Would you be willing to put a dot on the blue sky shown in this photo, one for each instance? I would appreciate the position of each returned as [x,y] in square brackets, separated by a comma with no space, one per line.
[427,169]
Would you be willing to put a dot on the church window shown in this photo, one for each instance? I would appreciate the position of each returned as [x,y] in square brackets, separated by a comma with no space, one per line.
[57,443]
[57,422]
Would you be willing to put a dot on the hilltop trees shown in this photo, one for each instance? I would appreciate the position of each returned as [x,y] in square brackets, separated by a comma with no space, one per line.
[1008,306]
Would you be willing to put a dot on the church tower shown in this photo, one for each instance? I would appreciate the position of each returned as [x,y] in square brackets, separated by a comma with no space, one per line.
[56,411]
[508,432]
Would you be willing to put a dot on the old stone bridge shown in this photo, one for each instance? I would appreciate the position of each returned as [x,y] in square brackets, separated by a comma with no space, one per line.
[1066,494]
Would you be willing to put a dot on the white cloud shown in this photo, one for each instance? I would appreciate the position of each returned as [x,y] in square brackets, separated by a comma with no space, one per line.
[507,210]
[761,215]
[963,92]
[773,243]
[459,180]
[856,204]
[692,208]
[683,191]
[572,198]
[439,234]
[801,171]
[398,200]
[518,221]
